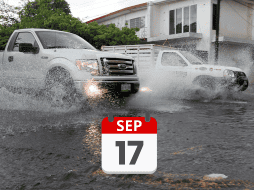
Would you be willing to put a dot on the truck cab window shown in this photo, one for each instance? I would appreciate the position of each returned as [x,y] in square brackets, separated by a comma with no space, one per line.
[172,59]
[24,37]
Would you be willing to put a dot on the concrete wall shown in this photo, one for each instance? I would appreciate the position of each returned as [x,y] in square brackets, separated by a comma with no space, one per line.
[234,22]
[204,23]
[234,19]
[155,21]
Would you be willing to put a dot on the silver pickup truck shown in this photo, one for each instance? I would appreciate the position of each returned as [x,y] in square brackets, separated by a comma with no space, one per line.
[64,65]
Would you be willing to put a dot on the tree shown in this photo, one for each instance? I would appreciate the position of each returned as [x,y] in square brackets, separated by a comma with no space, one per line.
[31,8]
[112,35]
[35,13]
[63,22]
[5,33]
[9,21]
[9,14]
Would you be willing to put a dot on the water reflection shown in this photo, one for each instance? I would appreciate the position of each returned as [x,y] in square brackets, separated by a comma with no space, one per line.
[92,140]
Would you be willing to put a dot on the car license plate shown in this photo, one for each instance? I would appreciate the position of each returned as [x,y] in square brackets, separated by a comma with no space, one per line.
[125,87]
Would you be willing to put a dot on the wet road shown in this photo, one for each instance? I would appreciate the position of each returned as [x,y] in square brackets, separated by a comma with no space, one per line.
[198,134]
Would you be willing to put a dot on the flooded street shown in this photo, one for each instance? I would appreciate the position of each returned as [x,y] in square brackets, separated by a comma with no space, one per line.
[197,136]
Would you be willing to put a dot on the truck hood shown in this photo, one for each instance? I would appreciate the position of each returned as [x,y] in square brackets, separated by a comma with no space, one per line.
[74,54]
[218,67]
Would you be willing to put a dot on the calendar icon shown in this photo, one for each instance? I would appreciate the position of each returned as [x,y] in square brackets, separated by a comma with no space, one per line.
[129,145]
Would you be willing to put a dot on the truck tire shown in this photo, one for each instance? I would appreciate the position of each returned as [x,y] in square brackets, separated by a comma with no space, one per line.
[60,90]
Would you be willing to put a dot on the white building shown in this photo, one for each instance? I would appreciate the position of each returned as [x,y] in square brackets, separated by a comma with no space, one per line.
[191,24]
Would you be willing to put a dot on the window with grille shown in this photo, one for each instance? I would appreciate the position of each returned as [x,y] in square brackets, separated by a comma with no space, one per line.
[137,22]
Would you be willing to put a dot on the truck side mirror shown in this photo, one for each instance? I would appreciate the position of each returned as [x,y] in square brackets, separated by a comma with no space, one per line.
[27,47]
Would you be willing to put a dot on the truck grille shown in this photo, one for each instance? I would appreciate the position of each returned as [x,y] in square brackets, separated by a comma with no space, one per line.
[113,66]
[239,74]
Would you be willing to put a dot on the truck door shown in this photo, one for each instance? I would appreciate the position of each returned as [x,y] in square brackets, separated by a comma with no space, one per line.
[174,68]
[22,69]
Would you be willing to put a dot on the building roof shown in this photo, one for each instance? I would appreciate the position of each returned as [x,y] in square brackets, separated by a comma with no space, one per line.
[120,12]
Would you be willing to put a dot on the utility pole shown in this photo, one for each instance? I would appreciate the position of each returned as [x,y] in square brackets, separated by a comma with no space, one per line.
[217,32]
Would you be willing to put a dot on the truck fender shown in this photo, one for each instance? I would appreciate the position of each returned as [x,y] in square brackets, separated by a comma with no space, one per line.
[205,81]
[62,63]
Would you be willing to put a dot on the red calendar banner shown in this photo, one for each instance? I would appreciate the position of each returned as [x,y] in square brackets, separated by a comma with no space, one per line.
[129,125]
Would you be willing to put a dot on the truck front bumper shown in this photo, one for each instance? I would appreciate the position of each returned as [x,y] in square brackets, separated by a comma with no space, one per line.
[239,84]
[94,87]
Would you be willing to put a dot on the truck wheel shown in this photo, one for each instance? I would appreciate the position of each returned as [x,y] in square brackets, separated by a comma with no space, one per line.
[205,82]
[60,90]
[241,86]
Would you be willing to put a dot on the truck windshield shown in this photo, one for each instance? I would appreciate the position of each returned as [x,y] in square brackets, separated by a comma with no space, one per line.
[192,58]
[52,39]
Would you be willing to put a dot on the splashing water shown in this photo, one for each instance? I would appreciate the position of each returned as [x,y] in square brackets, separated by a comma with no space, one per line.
[26,102]
[161,86]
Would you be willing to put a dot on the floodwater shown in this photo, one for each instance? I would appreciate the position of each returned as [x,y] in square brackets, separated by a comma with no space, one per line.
[199,133]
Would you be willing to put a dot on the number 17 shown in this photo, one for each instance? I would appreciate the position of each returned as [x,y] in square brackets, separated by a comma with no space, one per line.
[121,145]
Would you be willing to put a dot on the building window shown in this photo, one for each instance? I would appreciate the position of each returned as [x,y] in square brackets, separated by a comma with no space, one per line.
[137,22]
[183,20]
[172,21]
[186,20]
[179,21]
[214,16]
[193,18]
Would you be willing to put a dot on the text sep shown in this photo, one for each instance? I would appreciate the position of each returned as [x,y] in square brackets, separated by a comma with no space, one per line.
[128,125]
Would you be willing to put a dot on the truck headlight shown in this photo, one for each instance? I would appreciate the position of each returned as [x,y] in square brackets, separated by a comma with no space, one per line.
[228,73]
[90,65]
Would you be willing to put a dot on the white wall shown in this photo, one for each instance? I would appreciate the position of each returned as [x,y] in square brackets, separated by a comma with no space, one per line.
[204,24]
[233,20]
[155,21]
[233,23]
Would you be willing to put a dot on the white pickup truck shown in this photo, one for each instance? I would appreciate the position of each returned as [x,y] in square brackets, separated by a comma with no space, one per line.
[182,67]
[64,65]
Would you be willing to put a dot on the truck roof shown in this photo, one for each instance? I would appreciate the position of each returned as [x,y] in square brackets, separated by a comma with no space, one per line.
[36,29]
